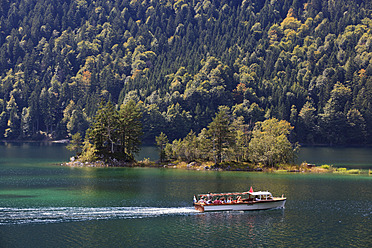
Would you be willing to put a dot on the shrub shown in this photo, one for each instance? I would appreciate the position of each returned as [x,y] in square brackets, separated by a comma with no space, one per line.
[341,170]
[89,153]
[326,166]
[355,171]
[146,161]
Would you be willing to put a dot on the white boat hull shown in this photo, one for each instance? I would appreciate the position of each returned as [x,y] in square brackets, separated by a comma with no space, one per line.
[242,206]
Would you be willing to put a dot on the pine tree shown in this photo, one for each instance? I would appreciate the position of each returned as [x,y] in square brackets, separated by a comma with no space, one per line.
[75,144]
[220,134]
[130,129]
[161,142]
[103,132]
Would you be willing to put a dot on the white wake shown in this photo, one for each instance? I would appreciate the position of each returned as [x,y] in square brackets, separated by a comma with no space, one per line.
[65,214]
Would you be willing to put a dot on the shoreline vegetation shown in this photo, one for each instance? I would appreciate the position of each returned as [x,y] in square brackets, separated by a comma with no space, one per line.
[225,166]
[205,166]
[226,144]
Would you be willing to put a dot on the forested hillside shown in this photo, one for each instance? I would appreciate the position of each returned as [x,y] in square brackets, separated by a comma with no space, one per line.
[305,61]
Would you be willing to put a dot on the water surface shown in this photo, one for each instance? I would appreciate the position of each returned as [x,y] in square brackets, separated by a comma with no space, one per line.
[349,157]
[43,204]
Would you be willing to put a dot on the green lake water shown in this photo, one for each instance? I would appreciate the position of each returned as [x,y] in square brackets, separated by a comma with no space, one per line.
[349,157]
[43,204]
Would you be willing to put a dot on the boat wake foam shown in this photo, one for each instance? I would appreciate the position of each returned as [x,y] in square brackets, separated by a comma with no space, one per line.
[9,216]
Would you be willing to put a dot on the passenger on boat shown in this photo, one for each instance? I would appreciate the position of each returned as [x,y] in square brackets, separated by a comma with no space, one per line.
[209,196]
[208,199]
[229,199]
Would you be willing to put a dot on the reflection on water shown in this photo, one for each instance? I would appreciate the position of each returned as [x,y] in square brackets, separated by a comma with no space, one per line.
[350,157]
[256,225]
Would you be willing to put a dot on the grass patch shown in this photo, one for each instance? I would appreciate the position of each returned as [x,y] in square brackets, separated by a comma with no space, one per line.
[341,170]
[346,171]
[280,171]
[322,169]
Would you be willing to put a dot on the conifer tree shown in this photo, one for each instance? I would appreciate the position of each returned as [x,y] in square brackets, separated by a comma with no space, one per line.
[161,142]
[115,133]
[185,59]
[129,129]
[103,132]
[75,144]
[219,132]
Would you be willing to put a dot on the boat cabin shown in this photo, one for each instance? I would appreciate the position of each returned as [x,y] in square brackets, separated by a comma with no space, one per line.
[261,195]
[233,197]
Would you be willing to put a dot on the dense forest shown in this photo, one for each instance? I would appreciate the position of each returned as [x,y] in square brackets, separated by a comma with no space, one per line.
[308,62]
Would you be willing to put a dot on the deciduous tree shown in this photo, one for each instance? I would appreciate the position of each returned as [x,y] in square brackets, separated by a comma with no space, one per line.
[269,144]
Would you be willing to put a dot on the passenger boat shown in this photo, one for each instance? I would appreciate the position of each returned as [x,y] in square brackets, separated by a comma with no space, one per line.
[238,201]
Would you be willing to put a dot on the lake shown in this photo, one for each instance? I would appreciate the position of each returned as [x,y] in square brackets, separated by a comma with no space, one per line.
[349,157]
[43,204]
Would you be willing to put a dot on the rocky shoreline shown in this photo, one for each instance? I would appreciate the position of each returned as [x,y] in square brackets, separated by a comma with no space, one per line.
[99,163]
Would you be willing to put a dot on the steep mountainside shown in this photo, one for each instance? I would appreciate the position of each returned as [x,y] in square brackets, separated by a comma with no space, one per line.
[305,61]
